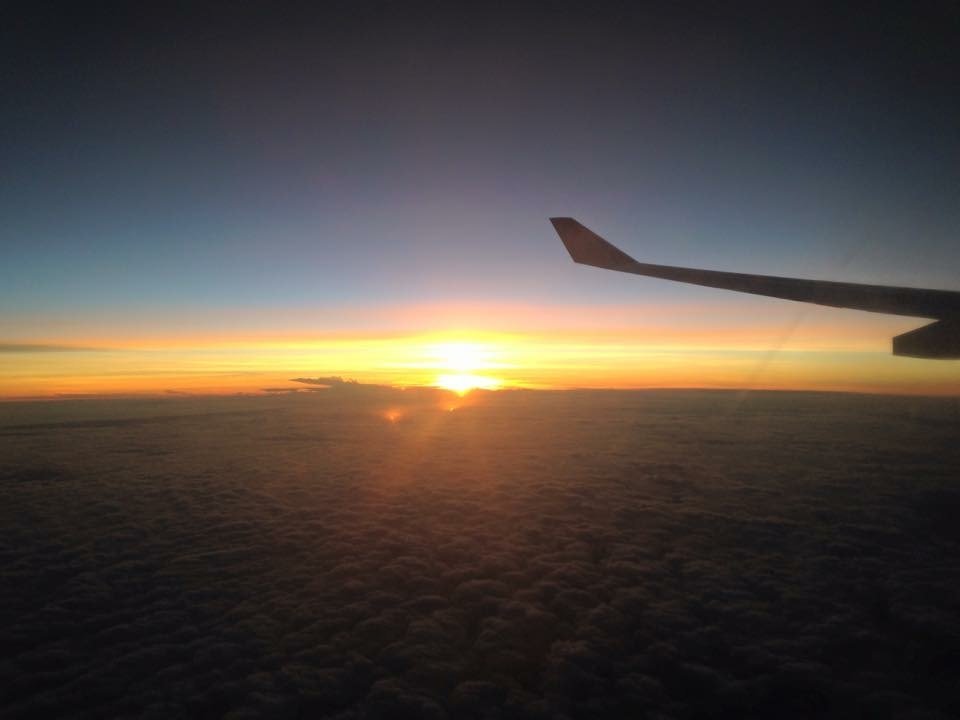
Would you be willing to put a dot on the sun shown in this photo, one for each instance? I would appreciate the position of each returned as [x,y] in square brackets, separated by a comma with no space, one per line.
[462,364]
[463,383]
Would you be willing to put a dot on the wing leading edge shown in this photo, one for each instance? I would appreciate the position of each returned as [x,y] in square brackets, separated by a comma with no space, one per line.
[940,339]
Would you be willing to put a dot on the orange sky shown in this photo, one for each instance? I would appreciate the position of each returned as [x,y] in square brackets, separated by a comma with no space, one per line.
[721,346]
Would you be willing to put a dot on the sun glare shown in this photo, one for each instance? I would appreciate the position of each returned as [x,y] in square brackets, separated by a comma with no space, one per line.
[462,357]
[460,363]
[462,383]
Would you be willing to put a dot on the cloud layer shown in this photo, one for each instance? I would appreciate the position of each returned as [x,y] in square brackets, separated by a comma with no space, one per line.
[532,555]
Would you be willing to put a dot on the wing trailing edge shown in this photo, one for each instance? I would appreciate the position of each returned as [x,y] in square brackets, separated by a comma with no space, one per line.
[937,340]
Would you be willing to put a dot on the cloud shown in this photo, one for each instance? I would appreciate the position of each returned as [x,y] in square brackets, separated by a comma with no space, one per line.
[536,555]
[44,348]
[337,384]
[331,381]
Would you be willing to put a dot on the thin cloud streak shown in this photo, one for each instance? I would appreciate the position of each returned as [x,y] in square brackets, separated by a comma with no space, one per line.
[44,348]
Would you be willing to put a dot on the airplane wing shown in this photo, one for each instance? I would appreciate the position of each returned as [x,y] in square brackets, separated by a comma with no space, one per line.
[940,339]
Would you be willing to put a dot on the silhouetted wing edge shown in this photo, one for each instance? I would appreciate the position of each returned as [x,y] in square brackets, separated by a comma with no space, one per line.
[588,248]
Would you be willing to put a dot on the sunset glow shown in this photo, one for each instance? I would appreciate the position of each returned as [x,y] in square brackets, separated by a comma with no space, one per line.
[845,351]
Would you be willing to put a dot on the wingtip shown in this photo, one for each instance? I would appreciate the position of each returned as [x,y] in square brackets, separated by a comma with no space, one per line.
[588,248]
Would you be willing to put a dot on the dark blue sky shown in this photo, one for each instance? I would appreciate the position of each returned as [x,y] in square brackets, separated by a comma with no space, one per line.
[253,156]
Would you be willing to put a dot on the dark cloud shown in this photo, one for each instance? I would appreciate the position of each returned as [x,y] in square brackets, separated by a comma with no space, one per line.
[340,385]
[532,556]
[331,381]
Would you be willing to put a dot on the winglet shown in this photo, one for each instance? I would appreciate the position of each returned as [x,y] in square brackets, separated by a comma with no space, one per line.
[588,248]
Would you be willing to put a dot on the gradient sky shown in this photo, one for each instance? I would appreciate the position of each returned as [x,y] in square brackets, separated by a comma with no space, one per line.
[217,199]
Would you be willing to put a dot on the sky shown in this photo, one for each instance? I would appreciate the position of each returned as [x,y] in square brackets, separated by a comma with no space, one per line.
[224,198]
